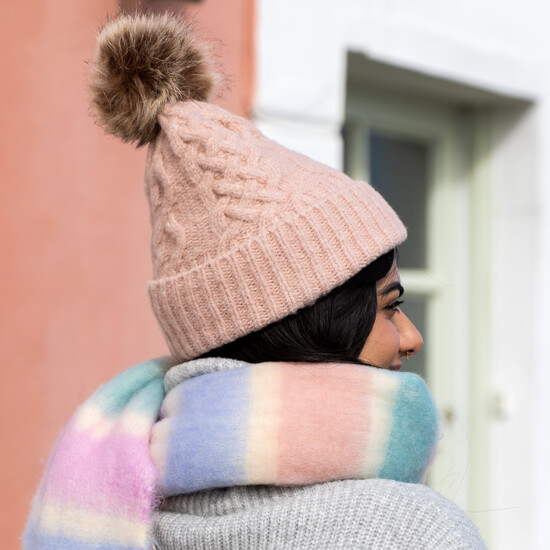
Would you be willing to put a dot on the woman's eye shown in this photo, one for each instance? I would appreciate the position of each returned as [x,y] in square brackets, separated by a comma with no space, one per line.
[394,306]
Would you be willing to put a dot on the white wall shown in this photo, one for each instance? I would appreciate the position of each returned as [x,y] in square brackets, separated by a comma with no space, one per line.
[502,47]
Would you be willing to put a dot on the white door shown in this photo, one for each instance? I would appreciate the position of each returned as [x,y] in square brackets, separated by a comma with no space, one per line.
[420,154]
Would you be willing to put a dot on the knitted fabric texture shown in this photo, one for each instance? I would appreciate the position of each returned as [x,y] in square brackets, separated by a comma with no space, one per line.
[373,514]
[246,232]
[227,423]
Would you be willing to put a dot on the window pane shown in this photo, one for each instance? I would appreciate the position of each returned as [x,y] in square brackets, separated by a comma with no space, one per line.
[399,169]
[415,308]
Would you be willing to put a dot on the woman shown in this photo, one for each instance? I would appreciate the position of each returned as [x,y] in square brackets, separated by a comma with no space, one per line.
[281,420]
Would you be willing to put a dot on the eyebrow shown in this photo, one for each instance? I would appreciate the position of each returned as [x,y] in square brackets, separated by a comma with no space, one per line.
[391,287]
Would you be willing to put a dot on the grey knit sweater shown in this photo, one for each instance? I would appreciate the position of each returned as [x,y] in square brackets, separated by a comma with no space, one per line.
[375,514]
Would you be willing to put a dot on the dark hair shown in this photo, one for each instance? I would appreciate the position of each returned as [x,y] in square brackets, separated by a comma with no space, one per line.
[333,329]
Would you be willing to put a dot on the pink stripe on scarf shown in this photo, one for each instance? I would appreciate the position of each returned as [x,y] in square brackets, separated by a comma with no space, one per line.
[325,422]
[117,478]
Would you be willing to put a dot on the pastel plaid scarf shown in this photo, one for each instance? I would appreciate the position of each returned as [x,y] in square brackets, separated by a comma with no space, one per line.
[271,423]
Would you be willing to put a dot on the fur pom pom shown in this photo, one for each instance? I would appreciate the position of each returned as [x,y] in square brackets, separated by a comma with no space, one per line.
[142,62]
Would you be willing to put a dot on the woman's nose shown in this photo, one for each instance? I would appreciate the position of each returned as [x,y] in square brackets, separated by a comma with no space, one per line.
[410,339]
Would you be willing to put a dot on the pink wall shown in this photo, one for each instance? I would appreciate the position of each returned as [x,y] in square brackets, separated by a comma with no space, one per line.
[74,227]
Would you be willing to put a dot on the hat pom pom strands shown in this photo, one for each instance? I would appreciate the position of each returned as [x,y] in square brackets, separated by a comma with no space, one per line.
[141,63]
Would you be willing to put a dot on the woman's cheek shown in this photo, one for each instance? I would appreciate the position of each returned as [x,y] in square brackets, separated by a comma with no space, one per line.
[390,343]
[382,346]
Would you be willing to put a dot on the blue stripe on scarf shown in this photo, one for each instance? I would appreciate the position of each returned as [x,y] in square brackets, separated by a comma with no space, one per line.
[52,542]
[213,412]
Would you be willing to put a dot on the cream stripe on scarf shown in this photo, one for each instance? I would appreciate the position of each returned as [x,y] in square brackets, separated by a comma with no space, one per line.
[83,526]
[380,394]
[265,418]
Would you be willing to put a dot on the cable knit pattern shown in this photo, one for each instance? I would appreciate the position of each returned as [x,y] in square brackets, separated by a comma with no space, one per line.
[246,232]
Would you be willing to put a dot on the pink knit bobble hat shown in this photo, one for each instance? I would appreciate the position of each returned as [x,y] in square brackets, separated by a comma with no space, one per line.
[244,231]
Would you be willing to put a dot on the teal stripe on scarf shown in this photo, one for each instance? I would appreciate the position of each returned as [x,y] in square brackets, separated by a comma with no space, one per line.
[414,431]
[113,397]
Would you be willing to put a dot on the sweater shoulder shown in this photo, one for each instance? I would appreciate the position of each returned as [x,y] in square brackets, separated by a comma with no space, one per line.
[356,514]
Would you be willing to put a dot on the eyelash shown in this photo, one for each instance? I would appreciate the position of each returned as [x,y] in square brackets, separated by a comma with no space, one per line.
[394,306]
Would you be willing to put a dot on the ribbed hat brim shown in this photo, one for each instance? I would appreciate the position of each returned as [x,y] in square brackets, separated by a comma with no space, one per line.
[290,265]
